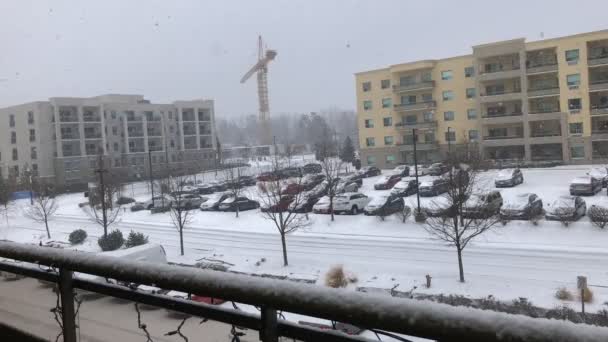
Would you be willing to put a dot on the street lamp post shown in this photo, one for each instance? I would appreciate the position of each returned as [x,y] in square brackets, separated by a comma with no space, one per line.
[415,135]
[29,177]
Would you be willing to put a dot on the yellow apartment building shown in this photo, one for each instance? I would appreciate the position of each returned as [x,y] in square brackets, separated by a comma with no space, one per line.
[545,100]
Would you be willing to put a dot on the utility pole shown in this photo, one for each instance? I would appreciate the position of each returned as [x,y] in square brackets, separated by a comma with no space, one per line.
[150,172]
[415,134]
[100,171]
[449,141]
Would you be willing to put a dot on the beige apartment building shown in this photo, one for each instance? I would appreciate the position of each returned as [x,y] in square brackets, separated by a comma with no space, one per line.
[60,140]
[545,100]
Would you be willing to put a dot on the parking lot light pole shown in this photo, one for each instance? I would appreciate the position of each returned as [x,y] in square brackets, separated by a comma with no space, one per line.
[415,135]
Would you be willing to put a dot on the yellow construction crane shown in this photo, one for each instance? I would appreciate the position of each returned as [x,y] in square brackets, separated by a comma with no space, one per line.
[261,67]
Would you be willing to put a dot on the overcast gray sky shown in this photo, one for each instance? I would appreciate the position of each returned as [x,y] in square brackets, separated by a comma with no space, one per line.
[168,50]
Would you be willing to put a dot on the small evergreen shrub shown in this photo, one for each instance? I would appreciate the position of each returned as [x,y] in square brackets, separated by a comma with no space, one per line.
[113,241]
[77,236]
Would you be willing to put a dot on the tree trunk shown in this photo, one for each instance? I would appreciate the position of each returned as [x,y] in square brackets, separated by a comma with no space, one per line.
[181,239]
[237,210]
[48,232]
[460,266]
[284,249]
[331,207]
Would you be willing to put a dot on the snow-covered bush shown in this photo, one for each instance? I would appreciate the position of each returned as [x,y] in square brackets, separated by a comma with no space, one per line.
[336,277]
[598,216]
[136,239]
[112,241]
[77,236]
[564,313]
[587,295]
[563,294]
[405,213]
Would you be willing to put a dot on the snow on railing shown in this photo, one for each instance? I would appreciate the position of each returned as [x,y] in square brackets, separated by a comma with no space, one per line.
[368,311]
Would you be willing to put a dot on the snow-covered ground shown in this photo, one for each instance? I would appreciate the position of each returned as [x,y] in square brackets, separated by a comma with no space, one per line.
[516,260]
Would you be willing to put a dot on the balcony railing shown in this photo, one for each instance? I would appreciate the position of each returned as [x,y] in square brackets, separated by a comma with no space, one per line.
[376,313]
[503,137]
[499,68]
[599,109]
[542,66]
[547,90]
[91,118]
[400,88]
[544,134]
[598,84]
[415,106]
[598,59]
[416,124]
[94,135]
[488,115]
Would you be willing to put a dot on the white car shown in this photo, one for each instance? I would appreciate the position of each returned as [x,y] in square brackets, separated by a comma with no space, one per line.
[213,201]
[349,202]
[158,202]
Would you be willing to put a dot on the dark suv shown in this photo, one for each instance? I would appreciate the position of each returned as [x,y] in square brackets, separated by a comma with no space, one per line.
[433,187]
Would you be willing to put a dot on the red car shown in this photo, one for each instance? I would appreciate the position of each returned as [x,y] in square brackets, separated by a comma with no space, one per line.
[267,176]
[282,205]
[293,189]
[387,182]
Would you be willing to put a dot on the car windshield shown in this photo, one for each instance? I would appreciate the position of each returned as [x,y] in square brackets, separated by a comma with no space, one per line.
[229,200]
[323,200]
[519,199]
[505,173]
[402,185]
[563,202]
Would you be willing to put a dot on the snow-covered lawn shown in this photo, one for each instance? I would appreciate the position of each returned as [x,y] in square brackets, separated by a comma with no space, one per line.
[516,260]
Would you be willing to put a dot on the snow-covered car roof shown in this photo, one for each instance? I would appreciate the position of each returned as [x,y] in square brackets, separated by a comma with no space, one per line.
[379,200]
[403,184]
[581,180]
[519,198]
[505,173]
[383,179]
[598,172]
[400,167]
[564,201]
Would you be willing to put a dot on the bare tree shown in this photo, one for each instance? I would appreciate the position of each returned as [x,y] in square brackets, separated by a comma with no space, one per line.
[180,215]
[44,206]
[274,196]
[232,177]
[452,225]
[102,208]
[5,196]
[598,216]
[331,168]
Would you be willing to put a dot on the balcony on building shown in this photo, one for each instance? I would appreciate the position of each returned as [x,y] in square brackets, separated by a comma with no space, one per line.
[499,67]
[206,142]
[204,128]
[425,141]
[541,61]
[500,90]
[204,114]
[91,114]
[599,102]
[503,153]
[425,120]
[415,102]
[188,114]
[598,78]
[154,131]
[151,117]
[70,131]
[412,81]
[546,152]
[92,131]
[546,130]
[68,114]
[132,116]
[93,148]
[155,144]
[599,127]
[544,105]
[503,134]
[597,53]
[190,143]
[71,148]
[599,150]
[135,129]
[136,145]
[189,129]
[543,85]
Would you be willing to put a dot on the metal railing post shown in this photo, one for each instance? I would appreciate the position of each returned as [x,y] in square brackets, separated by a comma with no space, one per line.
[66,290]
[268,331]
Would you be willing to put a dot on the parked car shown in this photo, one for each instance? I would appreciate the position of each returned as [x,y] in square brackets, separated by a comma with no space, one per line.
[290,172]
[213,201]
[403,170]
[369,171]
[187,201]
[585,185]
[281,205]
[241,202]
[482,205]
[246,181]
[572,207]
[384,205]
[405,187]
[522,206]
[268,176]
[292,188]
[439,207]
[158,202]
[387,182]
[423,170]
[350,202]
[353,177]
[138,206]
[206,188]
[437,169]
[311,180]
[305,204]
[346,186]
[124,200]
[600,173]
[433,187]
[508,178]
[311,168]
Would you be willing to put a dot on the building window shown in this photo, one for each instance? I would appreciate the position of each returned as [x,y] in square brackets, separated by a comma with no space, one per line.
[384,84]
[576,128]
[32,135]
[369,123]
[390,159]
[572,56]
[448,95]
[114,130]
[33,153]
[429,137]
[473,135]
[573,80]
[371,160]
[387,102]
[367,105]
[450,136]
[574,104]
[173,143]
[35,169]
[387,121]
[369,142]
[471,114]
[113,113]
[426,76]
[448,116]
[447,75]
[388,140]
[470,93]
[30,117]
[367,86]
[469,72]
[577,152]
[15,154]
[13,137]
[115,147]
[11,120]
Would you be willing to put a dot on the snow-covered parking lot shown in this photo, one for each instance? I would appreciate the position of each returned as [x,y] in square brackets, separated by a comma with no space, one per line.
[515,260]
